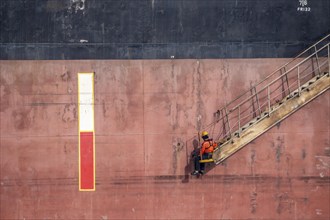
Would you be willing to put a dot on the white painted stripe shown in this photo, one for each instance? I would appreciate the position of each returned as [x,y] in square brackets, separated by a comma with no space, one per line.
[86,101]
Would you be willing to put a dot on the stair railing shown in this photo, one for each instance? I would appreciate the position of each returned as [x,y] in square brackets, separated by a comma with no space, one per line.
[267,95]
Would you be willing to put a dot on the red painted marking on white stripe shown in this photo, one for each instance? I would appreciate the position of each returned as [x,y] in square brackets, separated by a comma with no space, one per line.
[87,160]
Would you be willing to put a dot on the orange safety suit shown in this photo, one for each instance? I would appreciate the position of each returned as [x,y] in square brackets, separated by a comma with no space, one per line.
[208,146]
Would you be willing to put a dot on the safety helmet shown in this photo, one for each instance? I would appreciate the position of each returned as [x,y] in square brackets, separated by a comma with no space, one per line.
[205,133]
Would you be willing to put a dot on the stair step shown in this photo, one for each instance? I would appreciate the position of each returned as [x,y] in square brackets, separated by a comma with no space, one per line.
[206,161]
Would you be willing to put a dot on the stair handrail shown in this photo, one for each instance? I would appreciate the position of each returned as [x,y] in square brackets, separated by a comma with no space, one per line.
[269,76]
[279,77]
[279,69]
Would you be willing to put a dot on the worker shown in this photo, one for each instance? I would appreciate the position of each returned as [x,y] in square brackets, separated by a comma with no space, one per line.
[205,152]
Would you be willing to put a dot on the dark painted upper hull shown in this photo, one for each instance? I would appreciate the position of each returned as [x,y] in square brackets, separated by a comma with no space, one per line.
[160,29]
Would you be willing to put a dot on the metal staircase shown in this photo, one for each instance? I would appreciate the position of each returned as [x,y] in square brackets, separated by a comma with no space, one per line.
[272,100]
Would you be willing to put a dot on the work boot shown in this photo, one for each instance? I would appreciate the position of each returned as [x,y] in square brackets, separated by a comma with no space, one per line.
[195,173]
